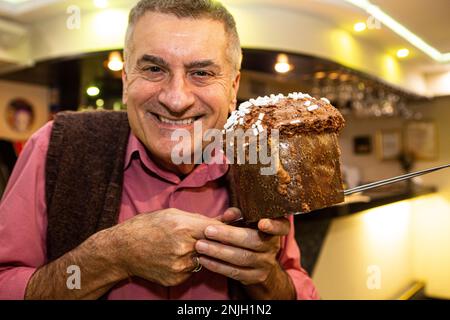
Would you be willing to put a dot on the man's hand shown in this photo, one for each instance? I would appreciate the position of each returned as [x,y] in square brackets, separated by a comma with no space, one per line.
[159,246]
[156,246]
[248,255]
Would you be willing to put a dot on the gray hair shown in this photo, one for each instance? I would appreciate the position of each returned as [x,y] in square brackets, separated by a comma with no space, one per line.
[193,9]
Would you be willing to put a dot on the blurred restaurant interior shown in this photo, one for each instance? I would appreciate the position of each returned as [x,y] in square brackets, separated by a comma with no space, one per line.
[384,64]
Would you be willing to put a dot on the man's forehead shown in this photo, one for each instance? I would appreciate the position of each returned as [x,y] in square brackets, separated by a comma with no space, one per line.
[191,40]
[154,22]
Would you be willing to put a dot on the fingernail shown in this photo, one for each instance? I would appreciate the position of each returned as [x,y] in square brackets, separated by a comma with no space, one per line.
[236,213]
[266,225]
[201,246]
[211,231]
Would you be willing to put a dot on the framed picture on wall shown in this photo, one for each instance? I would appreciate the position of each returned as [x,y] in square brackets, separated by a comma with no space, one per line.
[421,140]
[20,115]
[389,144]
[362,145]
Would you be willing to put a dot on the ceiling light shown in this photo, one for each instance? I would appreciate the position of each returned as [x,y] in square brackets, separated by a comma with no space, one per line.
[359,27]
[100,103]
[93,91]
[117,106]
[115,61]
[333,75]
[401,30]
[403,53]
[102,4]
[282,65]
[320,75]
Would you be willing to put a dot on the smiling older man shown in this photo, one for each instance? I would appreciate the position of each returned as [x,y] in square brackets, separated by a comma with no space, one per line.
[91,198]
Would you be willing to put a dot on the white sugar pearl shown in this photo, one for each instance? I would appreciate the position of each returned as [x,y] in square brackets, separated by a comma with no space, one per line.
[246,104]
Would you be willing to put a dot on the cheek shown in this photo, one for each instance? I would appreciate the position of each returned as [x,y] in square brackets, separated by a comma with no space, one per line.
[141,90]
[219,104]
[135,121]
[138,93]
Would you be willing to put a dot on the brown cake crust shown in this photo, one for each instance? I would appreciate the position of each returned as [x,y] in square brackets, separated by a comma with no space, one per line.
[308,174]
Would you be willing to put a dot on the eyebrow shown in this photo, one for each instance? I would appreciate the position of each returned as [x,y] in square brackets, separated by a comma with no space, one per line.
[147,58]
[201,64]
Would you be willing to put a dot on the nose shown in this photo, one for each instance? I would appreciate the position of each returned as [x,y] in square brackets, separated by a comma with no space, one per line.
[176,95]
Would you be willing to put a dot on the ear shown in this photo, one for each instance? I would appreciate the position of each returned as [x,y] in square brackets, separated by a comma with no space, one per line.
[235,89]
[124,85]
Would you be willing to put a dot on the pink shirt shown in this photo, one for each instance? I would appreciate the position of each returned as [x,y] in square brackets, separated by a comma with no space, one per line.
[146,188]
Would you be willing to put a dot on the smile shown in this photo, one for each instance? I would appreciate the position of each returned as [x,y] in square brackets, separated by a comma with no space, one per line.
[177,122]
[173,122]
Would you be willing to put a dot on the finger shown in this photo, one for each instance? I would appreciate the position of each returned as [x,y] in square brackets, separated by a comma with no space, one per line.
[239,237]
[246,276]
[197,223]
[276,227]
[230,215]
[186,264]
[232,255]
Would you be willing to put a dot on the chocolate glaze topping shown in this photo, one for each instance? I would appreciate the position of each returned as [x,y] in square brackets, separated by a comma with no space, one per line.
[292,116]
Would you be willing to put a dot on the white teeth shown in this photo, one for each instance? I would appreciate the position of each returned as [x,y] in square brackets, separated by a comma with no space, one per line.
[176,122]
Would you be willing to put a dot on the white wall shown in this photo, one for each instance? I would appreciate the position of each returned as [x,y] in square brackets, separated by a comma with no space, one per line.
[438,110]
[15,50]
[432,217]
[367,255]
[438,84]
[431,242]
[370,165]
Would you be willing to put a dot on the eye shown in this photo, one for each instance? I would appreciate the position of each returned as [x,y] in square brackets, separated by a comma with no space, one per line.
[153,73]
[201,74]
[153,69]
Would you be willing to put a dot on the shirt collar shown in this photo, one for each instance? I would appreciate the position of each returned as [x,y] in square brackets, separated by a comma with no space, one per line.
[198,177]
